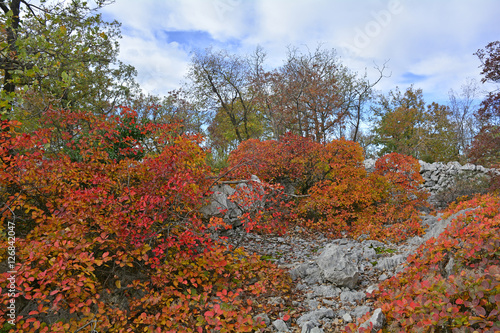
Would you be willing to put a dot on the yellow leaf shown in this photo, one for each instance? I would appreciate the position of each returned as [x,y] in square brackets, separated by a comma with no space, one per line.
[118,284]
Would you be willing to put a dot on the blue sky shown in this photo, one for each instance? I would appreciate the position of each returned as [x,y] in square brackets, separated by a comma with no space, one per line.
[427,42]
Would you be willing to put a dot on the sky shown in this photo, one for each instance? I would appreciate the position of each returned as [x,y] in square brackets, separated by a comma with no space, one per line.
[428,43]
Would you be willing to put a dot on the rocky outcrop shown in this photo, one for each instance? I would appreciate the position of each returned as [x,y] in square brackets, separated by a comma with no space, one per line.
[336,276]
[230,203]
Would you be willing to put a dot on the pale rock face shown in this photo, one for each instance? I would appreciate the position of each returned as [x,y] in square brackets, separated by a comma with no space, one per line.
[339,267]
[225,202]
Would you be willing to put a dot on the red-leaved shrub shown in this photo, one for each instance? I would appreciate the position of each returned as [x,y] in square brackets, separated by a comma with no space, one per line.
[451,284]
[107,232]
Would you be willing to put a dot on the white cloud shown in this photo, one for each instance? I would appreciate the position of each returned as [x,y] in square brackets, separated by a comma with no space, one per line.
[160,67]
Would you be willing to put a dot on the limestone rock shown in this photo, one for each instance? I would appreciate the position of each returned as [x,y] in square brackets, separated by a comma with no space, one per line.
[315,316]
[280,325]
[377,320]
[262,317]
[338,266]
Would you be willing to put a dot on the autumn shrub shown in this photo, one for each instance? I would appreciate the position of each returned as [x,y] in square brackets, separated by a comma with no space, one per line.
[108,233]
[402,197]
[383,205]
[334,193]
[341,199]
[452,283]
[292,160]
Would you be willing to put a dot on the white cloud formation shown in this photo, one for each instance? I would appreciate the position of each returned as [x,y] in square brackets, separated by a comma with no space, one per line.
[434,40]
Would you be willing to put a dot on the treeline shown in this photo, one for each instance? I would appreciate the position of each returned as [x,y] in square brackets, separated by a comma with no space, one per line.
[65,56]
[100,203]
[315,96]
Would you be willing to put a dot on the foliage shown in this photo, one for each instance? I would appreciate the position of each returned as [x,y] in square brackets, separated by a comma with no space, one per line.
[451,284]
[60,54]
[404,198]
[310,100]
[313,95]
[407,126]
[175,107]
[290,161]
[383,205]
[335,194]
[119,240]
[485,148]
[221,132]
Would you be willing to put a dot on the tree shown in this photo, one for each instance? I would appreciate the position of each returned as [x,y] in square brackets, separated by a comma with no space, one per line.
[355,92]
[60,54]
[174,108]
[439,142]
[221,82]
[303,95]
[222,136]
[400,121]
[407,126]
[462,107]
[314,95]
[486,145]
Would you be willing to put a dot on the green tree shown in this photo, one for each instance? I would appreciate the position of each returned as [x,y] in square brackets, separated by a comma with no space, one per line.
[405,125]
[60,54]
[221,133]
[440,140]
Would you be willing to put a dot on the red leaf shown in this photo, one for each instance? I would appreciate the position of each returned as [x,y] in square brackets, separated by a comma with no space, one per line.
[480,311]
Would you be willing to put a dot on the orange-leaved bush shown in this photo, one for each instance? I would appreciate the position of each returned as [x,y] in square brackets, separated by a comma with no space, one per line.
[292,160]
[452,283]
[344,192]
[105,213]
[403,196]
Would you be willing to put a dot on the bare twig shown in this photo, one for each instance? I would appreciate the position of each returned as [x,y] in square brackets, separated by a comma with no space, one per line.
[93,321]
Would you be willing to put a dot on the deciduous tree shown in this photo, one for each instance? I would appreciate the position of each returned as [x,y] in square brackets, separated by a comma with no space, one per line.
[407,126]
[486,145]
[463,105]
[60,54]
[303,96]
[221,82]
